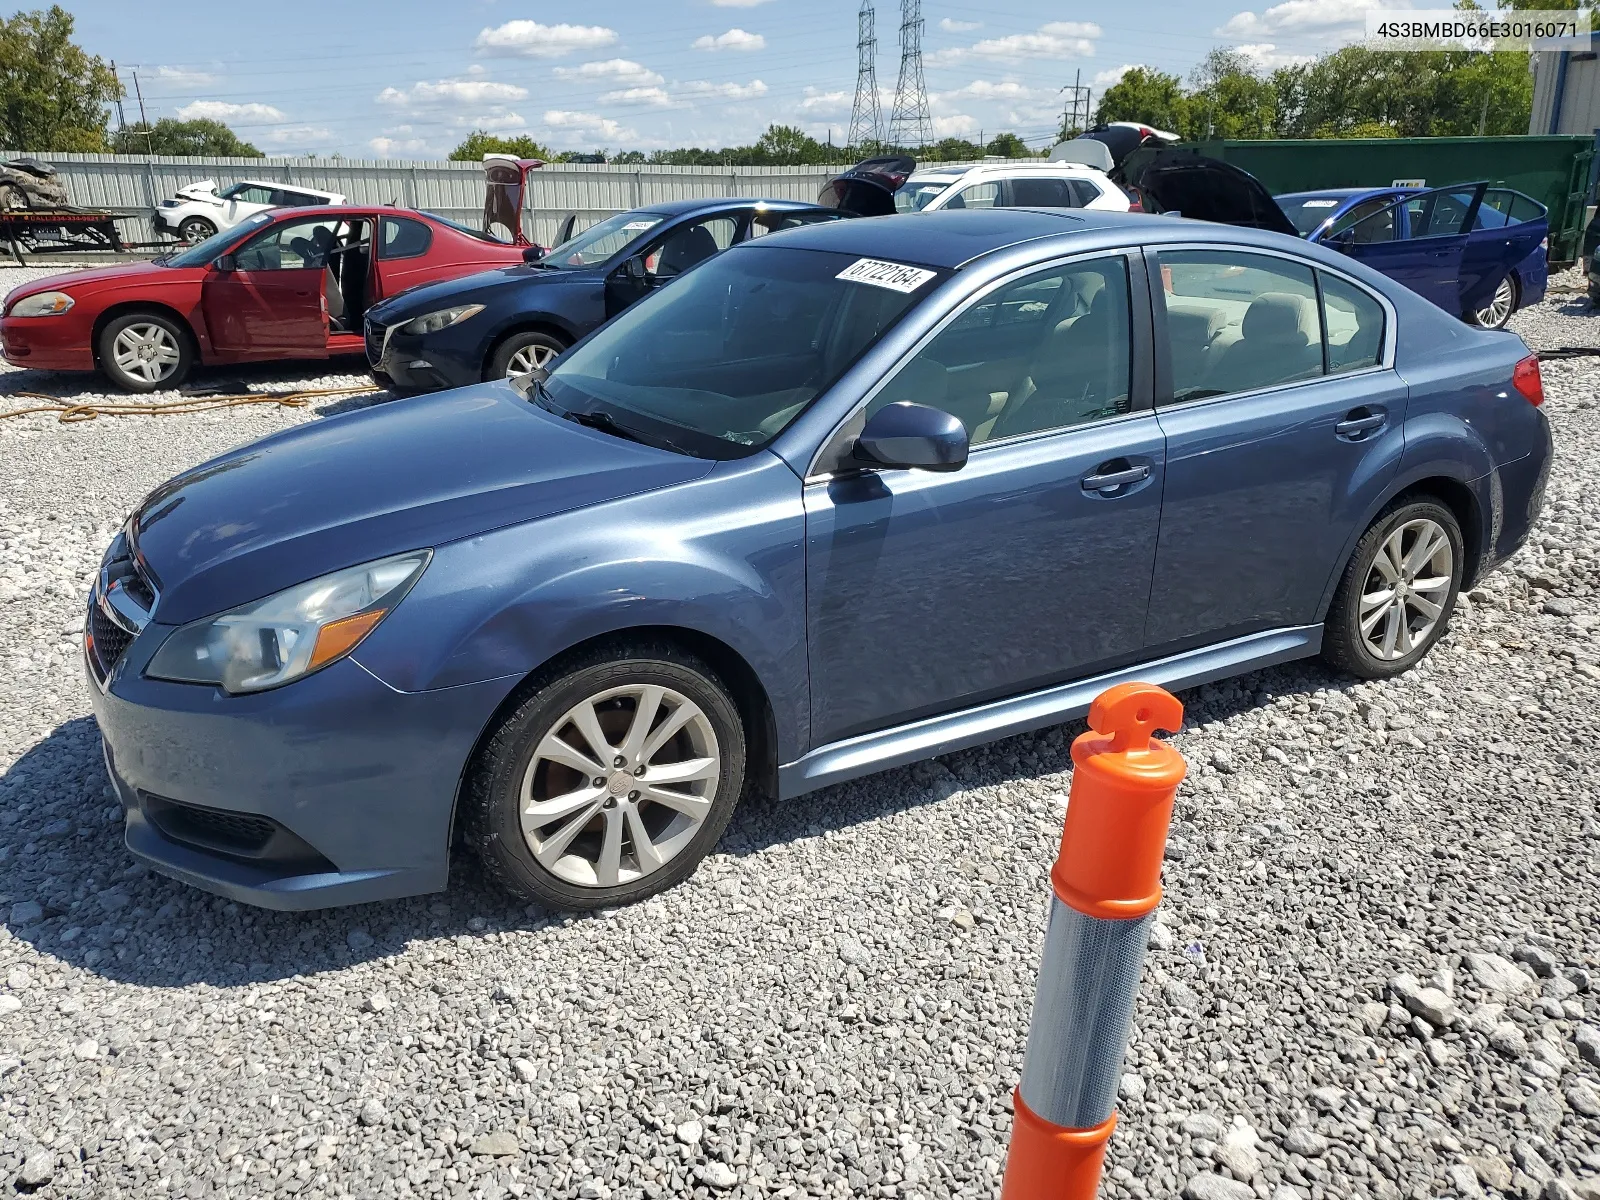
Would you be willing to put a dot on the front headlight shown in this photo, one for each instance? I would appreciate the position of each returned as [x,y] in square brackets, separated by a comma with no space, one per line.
[300,630]
[443,319]
[43,304]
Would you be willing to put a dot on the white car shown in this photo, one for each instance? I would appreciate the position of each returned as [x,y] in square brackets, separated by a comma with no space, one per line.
[866,189]
[199,210]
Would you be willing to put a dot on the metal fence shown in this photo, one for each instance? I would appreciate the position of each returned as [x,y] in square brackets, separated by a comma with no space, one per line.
[134,184]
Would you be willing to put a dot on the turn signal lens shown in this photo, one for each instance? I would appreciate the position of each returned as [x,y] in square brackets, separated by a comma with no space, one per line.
[1527,380]
[340,637]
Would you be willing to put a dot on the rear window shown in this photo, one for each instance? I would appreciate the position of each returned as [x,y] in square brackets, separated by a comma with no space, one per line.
[918,194]
[1307,212]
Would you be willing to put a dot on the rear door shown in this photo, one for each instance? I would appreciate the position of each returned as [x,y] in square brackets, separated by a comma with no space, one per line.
[272,304]
[1507,228]
[1419,241]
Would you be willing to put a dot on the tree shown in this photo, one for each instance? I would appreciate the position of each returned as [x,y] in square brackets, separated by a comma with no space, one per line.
[1008,145]
[1228,99]
[53,96]
[168,136]
[789,146]
[1148,96]
[480,142]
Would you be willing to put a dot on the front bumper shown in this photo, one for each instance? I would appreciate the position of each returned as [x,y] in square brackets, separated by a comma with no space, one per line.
[59,343]
[165,220]
[335,789]
[402,361]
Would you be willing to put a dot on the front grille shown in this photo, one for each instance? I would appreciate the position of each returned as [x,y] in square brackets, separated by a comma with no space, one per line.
[119,607]
[239,835]
[373,340]
[108,641]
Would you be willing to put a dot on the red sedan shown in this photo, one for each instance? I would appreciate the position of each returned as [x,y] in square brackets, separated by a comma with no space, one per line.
[289,283]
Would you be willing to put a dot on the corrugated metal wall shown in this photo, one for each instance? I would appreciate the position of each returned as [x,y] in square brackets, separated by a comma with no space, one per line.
[133,184]
[1580,101]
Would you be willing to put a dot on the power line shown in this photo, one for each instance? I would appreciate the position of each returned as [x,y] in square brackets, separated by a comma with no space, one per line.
[866,115]
[911,122]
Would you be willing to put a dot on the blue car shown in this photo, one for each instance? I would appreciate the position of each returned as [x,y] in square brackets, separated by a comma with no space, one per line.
[839,499]
[505,322]
[1478,252]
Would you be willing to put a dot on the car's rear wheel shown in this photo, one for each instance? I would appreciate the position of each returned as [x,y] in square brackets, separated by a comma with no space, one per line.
[13,198]
[523,352]
[143,351]
[1497,312]
[610,781]
[195,229]
[1398,591]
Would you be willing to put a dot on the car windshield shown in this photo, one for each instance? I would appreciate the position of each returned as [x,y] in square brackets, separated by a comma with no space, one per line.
[917,194]
[460,228]
[599,242]
[1307,212]
[721,361]
[201,253]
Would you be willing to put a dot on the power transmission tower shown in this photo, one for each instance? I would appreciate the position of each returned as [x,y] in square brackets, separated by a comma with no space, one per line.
[1075,116]
[866,116]
[911,122]
[122,121]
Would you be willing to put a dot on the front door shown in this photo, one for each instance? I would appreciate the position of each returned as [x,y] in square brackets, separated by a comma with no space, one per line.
[273,303]
[669,256]
[1030,565]
[1428,239]
[1277,440]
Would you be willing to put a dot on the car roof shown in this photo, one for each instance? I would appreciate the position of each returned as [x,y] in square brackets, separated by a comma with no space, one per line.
[677,208]
[1342,193]
[1008,168]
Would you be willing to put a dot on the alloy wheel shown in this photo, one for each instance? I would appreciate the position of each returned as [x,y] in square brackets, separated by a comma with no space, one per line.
[619,785]
[146,351]
[529,358]
[1406,589]
[195,231]
[1498,310]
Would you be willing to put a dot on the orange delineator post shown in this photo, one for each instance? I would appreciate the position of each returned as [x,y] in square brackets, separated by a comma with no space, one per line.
[1107,883]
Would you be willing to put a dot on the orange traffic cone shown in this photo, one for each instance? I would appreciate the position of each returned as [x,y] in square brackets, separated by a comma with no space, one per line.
[1107,883]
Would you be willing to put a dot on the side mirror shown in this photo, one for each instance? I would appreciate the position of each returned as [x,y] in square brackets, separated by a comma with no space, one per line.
[224,262]
[906,435]
[533,254]
[635,269]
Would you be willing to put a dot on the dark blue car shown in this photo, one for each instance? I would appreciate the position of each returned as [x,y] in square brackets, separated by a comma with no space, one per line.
[1476,251]
[839,499]
[501,323]
[1416,236]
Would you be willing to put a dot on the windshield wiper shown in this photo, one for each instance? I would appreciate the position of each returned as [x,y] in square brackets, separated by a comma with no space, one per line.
[595,419]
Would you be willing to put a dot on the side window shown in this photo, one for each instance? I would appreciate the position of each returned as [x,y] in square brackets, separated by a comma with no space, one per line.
[403,237]
[1238,321]
[1084,192]
[763,223]
[1525,208]
[688,245]
[1370,221]
[284,198]
[977,195]
[291,246]
[1354,321]
[251,194]
[1439,214]
[1042,193]
[1050,351]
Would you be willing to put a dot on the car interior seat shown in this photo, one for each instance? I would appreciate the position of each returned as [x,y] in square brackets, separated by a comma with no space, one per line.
[684,249]
[1273,346]
[1080,370]
[1191,332]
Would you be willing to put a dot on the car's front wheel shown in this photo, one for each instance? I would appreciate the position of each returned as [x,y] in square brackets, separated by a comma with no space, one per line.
[195,229]
[610,781]
[1397,593]
[523,352]
[143,351]
[1497,312]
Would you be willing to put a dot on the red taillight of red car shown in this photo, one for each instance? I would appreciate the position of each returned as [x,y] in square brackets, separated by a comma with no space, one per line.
[1527,380]
[1135,206]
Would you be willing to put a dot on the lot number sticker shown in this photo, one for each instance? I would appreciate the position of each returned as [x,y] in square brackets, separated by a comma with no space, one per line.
[897,277]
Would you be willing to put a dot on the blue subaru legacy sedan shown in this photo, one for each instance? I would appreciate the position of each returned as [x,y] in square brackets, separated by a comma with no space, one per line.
[839,499]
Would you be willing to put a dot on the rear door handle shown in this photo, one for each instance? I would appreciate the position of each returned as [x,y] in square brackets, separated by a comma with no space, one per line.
[1110,481]
[1354,426]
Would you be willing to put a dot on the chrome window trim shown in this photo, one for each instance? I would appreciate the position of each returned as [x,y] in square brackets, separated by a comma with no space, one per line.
[1128,254]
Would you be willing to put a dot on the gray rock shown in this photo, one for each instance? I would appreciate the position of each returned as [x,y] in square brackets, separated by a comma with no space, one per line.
[690,1133]
[1432,1006]
[1584,1098]
[38,1169]
[1544,1110]
[1204,1125]
[9,1004]
[1237,1151]
[524,1070]
[1464,1180]
[1305,1141]
[853,952]
[1131,1087]
[1531,1162]
[1587,1039]
[373,1112]
[720,1175]
[1557,1189]
[1497,976]
[377,1002]
[1327,1099]
[1492,1170]
[500,1144]
[1508,1039]
[1209,1186]
[1181,996]
[358,939]
[1540,959]
[25,912]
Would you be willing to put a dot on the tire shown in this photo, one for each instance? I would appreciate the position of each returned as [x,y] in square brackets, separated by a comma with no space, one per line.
[1400,630]
[1494,315]
[143,351]
[521,352]
[562,861]
[195,229]
[13,198]
[1594,295]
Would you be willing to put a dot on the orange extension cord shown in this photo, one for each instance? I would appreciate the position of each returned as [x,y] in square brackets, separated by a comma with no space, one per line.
[68,412]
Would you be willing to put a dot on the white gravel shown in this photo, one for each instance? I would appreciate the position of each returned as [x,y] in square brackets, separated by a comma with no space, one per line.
[1376,973]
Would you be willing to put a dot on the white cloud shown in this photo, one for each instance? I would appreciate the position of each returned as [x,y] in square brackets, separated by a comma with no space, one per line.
[587,124]
[221,110]
[443,93]
[530,39]
[958,125]
[1301,18]
[734,39]
[1054,39]
[298,135]
[638,95]
[1112,76]
[181,79]
[1004,89]
[950,26]
[399,147]
[820,103]
[736,3]
[723,91]
[620,70]
[1269,58]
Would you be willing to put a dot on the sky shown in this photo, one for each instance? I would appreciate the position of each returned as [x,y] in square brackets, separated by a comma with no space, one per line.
[402,79]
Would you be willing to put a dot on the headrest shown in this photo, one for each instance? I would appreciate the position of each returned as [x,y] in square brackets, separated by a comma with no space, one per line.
[1275,316]
[685,249]
[1194,326]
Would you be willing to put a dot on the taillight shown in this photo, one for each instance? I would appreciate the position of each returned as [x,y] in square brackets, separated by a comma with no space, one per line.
[1135,206]
[1527,380]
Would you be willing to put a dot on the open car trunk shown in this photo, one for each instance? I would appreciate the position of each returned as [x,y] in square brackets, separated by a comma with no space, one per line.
[1187,183]
[505,193]
[867,189]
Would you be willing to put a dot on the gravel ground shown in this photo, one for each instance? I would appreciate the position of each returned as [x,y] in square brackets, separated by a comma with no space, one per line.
[1377,972]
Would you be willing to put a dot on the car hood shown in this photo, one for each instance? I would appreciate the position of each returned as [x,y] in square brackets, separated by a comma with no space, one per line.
[73,280]
[353,488]
[1206,189]
[206,189]
[413,302]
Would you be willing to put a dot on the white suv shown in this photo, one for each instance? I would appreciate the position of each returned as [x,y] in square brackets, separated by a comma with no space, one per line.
[199,210]
[1010,185]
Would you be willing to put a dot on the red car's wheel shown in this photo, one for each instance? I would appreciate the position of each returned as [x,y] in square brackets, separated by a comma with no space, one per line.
[143,351]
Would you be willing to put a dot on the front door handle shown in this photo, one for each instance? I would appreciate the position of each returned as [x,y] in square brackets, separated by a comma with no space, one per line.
[1360,423]
[1110,481]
